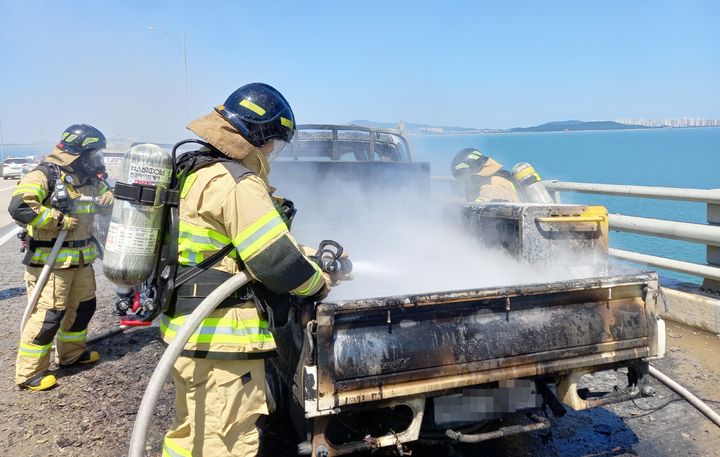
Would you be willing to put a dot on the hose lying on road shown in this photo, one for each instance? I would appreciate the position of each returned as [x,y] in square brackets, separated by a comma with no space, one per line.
[162,371]
[108,334]
[692,399]
[42,279]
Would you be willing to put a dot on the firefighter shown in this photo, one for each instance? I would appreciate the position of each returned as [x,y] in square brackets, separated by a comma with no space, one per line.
[220,376]
[483,179]
[48,200]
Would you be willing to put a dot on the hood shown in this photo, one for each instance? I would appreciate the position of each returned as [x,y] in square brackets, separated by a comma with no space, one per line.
[61,158]
[490,168]
[214,129]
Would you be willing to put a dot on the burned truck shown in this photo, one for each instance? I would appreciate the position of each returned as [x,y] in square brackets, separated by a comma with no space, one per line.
[364,373]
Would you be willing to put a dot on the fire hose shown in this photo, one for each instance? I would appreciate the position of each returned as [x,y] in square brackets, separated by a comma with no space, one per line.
[42,279]
[173,351]
[328,258]
[692,399]
[45,273]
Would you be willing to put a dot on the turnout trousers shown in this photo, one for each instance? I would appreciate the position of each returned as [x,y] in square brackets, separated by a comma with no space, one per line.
[64,309]
[217,406]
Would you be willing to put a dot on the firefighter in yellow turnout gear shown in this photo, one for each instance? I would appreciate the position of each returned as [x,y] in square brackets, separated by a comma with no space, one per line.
[220,377]
[483,178]
[47,200]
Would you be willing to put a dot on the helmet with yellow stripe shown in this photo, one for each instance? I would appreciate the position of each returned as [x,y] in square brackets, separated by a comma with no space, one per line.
[260,114]
[81,139]
[467,162]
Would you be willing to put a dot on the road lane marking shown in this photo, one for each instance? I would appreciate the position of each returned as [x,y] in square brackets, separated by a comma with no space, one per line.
[9,235]
[8,188]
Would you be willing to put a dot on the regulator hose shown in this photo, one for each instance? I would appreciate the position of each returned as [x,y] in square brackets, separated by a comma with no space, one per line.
[42,279]
[172,352]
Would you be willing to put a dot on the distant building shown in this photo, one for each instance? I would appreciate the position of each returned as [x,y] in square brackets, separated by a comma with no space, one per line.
[677,122]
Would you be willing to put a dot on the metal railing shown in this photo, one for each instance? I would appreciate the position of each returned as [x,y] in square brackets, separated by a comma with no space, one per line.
[373,138]
[707,234]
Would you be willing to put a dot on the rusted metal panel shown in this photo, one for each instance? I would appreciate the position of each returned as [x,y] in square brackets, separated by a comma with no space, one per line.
[408,339]
[329,400]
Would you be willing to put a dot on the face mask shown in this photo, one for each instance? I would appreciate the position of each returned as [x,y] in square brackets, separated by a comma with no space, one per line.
[91,165]
[278,146]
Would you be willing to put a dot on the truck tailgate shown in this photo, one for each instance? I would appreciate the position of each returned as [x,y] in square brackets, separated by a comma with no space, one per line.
[375,349]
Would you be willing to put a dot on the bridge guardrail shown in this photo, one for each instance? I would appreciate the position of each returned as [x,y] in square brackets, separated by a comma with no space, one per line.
[707,234]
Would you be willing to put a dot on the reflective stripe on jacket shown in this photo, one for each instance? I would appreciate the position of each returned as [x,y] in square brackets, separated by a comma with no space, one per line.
[216,209]
[30,206]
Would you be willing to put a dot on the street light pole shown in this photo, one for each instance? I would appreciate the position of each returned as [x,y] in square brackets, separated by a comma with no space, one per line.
[185,73]
[2,147]
[181,39]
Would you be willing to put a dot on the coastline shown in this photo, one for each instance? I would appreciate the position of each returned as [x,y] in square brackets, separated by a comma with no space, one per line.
[485,132]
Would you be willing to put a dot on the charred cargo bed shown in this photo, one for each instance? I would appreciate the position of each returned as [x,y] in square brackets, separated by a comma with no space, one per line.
[387,348]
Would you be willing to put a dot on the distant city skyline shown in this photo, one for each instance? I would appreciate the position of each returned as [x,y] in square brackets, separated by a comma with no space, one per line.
[485,65]
[680,122]
[674,122]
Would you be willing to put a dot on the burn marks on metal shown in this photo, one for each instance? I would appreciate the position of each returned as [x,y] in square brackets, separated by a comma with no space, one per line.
[309,387]
[396,338]
[517,229]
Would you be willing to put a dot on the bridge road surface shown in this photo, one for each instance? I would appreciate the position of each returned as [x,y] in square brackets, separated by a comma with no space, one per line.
[6,190]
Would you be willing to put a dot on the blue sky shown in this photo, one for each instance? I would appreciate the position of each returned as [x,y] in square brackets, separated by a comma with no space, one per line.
[491,64]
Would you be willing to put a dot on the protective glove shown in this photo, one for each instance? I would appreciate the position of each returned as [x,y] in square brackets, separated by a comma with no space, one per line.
[69,223]
[307,250]
[106,199]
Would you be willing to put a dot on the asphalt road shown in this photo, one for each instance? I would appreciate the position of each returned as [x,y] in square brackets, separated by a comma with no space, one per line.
[6,187]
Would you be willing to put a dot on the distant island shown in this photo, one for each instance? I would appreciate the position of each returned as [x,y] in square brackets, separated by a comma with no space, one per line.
[555,126]
[562,126]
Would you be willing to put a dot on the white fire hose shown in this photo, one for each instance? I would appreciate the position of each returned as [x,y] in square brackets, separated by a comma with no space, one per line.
[45,273]
[692,399]
[162,371]
[42,279]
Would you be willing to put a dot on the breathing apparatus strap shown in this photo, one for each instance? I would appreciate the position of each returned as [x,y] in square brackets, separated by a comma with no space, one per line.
[52,174]
[238,172]
[34,244]
[146,195]
[167,278]
[507,175]
[202,266]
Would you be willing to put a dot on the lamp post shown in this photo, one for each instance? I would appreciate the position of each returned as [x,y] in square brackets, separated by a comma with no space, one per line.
[181,39]
[2,147]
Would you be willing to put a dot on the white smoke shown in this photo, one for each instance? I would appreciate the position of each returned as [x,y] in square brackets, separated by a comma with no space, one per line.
[402,242]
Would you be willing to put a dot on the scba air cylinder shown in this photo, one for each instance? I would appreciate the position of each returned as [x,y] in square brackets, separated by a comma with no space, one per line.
[532,187]
[134,232]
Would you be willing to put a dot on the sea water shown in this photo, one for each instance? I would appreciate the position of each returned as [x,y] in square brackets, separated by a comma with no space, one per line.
[686,158]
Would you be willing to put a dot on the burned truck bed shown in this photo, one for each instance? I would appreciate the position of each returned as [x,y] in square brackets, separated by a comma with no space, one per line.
[379,349]
[403,354]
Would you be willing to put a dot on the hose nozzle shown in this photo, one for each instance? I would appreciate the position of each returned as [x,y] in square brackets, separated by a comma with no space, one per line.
[329,259]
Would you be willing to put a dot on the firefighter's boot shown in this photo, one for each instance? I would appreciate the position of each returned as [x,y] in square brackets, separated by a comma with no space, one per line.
[85,358]
[42,381]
